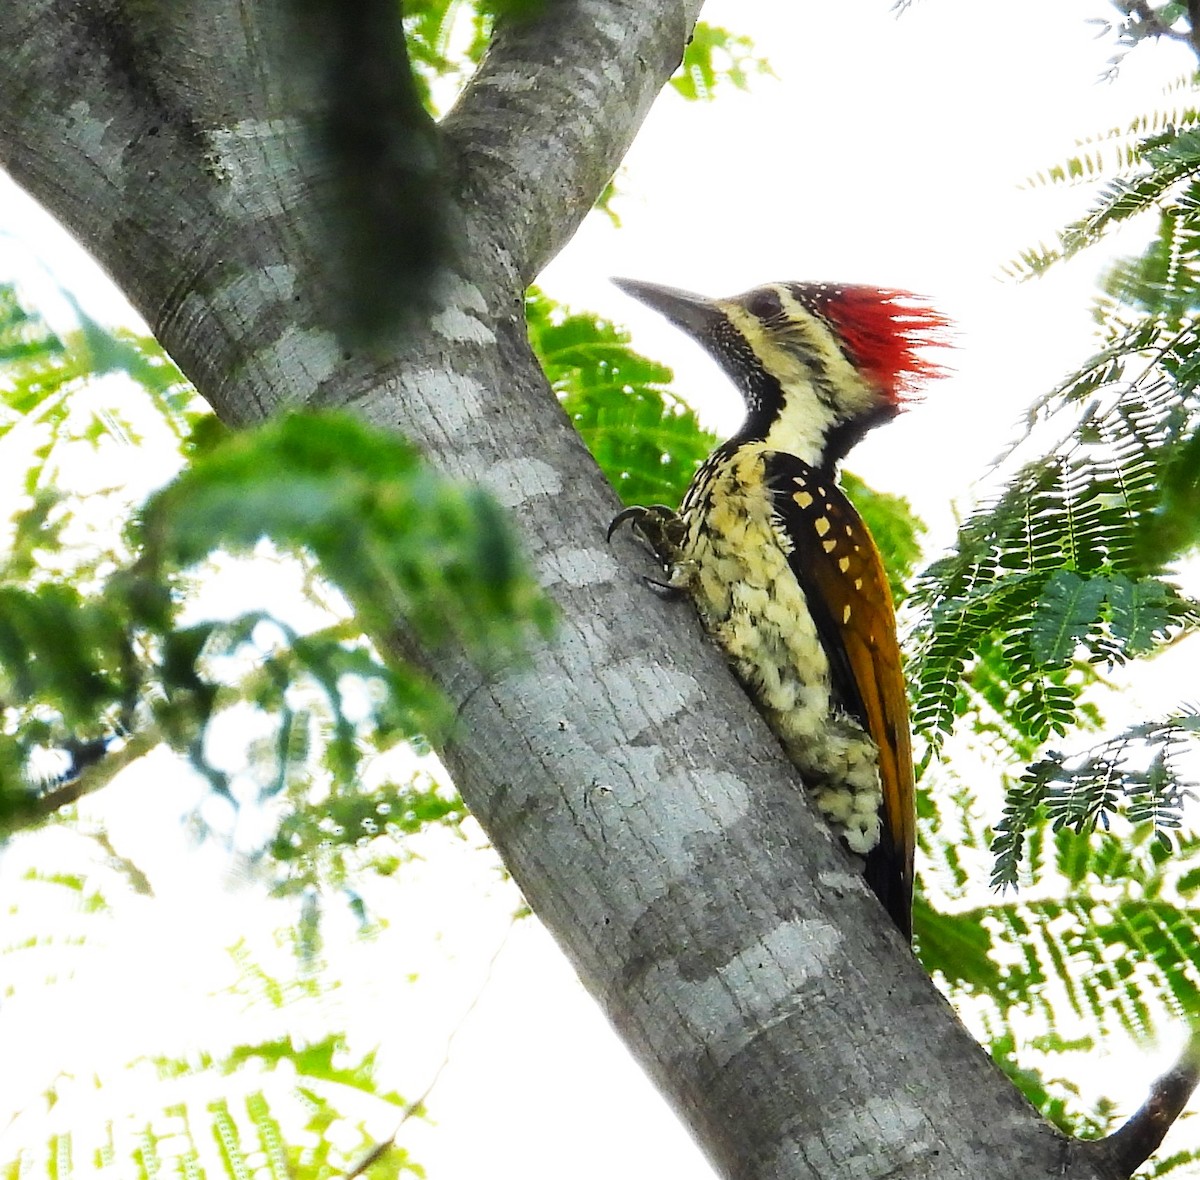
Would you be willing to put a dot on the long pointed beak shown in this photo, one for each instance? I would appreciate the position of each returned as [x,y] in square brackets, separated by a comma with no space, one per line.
[693,313]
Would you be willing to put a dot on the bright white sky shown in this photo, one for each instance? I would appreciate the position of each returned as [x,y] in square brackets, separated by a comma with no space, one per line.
[888,151]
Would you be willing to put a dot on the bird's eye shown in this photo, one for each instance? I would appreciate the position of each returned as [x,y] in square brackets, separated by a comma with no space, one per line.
[764,305]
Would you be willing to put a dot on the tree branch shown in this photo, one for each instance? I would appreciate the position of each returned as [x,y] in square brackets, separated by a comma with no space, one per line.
[1150,24]
[386,201]
[636,796]
[37,807]
[555,145]
[1131,1145]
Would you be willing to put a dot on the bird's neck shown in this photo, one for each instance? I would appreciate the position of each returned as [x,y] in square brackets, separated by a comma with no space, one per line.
[798,420]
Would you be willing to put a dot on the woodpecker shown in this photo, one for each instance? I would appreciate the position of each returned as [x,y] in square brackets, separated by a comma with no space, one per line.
[783,571]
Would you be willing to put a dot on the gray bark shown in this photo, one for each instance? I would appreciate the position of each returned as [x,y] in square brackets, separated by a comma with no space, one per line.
[636,796]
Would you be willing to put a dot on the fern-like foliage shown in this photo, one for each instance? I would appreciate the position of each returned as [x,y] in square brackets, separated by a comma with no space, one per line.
[647,441]
[46,383]
[1100,942]
[1138,21]
[1067,572]
[1064,572]
[284,1107]
[1111,927]
[1057,568]
[1140,770]
[1069,569]
[332,842]
[1162,175]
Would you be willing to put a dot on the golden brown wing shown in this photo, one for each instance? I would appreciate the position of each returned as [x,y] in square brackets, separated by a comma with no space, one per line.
[837,564]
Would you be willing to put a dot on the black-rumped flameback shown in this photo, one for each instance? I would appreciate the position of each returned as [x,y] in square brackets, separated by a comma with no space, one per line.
[782,569]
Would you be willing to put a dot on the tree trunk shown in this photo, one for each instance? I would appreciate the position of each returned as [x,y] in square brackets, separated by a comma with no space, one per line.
[636,796]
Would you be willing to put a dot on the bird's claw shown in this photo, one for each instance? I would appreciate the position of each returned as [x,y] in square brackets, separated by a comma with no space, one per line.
[667,591]
[634,512]
[657,525]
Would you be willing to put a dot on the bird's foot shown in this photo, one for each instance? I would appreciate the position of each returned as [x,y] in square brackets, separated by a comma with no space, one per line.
[661,528]
[656,524]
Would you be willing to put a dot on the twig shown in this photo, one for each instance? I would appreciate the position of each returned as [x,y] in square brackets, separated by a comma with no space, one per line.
[41,806]
[385,1145]
[1130,1146]
[1153,25]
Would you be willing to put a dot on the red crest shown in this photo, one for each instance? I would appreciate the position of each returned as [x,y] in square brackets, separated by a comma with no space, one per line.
[884,331]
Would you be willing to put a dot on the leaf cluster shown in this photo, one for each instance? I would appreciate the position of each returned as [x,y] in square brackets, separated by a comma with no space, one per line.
[1061,574]
[1064,574]
[1118,944]
[1155,161]
[1070,568]
[712,55]
[118,648]
[328,840]
[1140,770]
[45,380]
[647,441]
[1144,20]
[1101,941]
[282,1106]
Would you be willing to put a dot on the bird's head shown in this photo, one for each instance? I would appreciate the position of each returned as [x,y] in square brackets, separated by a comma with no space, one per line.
[818,364]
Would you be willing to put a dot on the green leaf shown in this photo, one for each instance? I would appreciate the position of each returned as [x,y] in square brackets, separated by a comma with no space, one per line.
[396,539]
[647,442]
[713,54]
[394,536]
[958,951]
[1067,610]
[1140,615]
